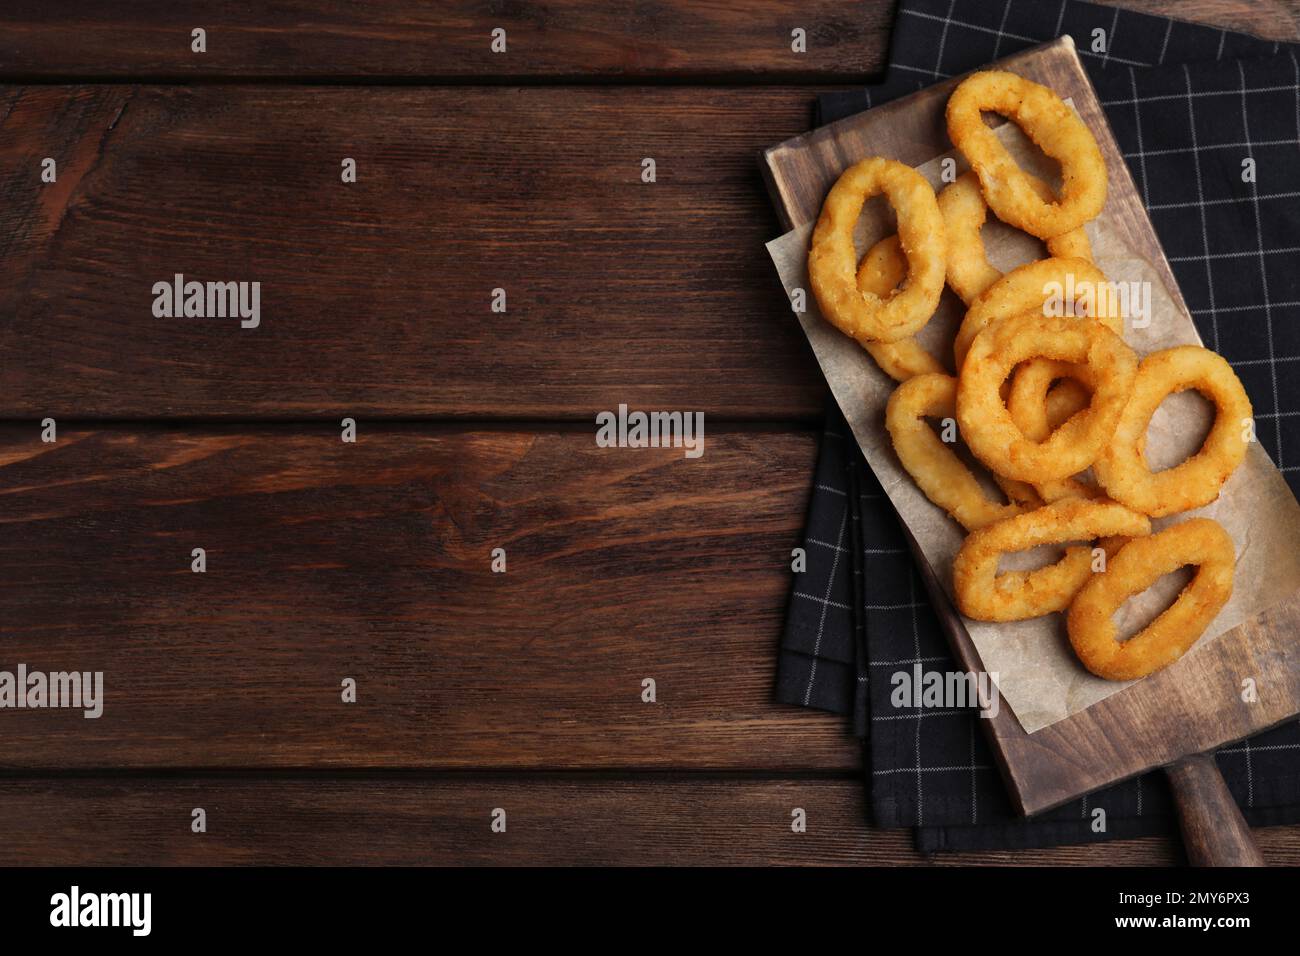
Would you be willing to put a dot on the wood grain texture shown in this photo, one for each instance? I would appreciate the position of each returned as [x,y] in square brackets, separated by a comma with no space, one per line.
[1189,708]
[377,325]
[1273,19]
[570,820]
[561,39]
[376,296]
[1214,831]
[328,560]
[569,40]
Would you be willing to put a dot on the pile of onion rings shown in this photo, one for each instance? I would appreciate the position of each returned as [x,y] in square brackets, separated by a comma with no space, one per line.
[1047,393]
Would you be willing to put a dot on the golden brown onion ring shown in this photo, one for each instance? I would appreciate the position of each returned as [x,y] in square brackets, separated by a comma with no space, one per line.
[1138,565]
[1039,408]
[938,472]
[1025,289]
[985,595]
[1053,126]
[833,262]
[985,423]
[879,273]
[1121,468]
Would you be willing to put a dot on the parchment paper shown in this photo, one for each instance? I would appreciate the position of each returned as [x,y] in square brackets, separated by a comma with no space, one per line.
[1038,675]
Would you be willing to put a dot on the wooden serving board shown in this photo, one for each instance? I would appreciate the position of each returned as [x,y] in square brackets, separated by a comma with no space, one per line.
[1192,707]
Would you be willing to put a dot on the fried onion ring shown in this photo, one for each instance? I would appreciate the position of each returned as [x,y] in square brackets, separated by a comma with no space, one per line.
[938,472]
[832,259]
[986,424]
[1053,126]
[985,595]
[1019,492]
[1138,565]
[964,212]
[879,273]
[1025,288]
[1039,408]
[1122,469]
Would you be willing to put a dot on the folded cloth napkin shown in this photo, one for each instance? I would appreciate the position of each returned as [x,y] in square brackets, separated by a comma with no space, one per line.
[1188,105]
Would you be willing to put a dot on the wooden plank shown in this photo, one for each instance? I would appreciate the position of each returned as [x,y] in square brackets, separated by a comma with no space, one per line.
[402,821]
[376,296]
[1169,715]
[1275,20]
[328,560]
[563,39]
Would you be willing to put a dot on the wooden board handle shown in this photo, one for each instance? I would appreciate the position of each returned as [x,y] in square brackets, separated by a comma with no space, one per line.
[1214,831]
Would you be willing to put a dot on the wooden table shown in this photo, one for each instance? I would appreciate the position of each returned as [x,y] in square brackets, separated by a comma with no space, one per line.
[372,561]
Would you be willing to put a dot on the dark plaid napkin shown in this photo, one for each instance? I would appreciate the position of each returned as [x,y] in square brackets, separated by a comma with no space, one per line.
[1187,105]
